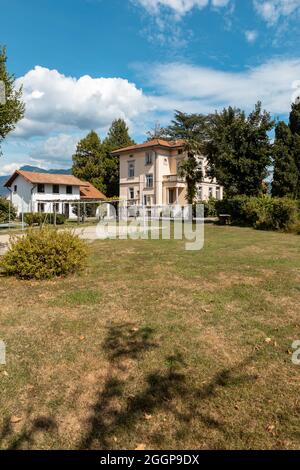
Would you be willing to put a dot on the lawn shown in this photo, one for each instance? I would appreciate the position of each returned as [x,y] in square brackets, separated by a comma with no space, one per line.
[154,347]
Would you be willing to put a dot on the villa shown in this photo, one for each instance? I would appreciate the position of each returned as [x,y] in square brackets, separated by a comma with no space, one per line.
[149,175]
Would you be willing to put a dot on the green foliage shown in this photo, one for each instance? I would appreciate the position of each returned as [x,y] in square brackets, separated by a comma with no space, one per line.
[209,207]
[192,129]
[7,211]
[286,180]
[88,161]
[117,137]
[93,161]
[239,150]
[13,109]
[43,219]
[264,213]
[44,254]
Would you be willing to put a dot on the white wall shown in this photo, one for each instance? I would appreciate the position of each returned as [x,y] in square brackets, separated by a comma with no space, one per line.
[22,198]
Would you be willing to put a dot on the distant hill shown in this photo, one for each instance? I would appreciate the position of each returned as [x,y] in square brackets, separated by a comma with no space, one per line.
[32,169]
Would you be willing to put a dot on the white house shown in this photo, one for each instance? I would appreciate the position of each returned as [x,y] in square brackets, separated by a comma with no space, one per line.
[49,193]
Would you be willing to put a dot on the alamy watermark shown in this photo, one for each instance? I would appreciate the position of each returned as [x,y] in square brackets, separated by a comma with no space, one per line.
[2,353]
[2,93]
[153,222]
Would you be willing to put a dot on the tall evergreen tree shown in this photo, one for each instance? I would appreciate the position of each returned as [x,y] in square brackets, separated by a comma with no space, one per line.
[294,122]
[88,161]
[239,150]
[117,137]
[13,108]
[285,180]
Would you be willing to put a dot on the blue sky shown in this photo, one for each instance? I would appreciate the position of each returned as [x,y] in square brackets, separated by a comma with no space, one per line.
[83,63]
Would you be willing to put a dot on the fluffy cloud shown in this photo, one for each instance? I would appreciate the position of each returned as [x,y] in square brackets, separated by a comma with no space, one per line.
[179,7]
[58,103]
[272,10]
[192,88]
[55,150]
[9,168]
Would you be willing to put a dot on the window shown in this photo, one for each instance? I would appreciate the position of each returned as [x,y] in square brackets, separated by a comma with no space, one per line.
[130,169]
[148,158]
[178,167]
[180,152]
[15,188]
[131,193]
[218,193]
[210,192]
[55,189]
[200,193]
[69,189]
[56,207]
[41,188]
[41,207]
[149,181]
[147,200]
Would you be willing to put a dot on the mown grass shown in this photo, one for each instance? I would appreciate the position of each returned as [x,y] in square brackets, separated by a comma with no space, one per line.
[155,347]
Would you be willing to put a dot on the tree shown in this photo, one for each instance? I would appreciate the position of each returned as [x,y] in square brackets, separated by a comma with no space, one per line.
[88,161]
[13,109]
[285,180]
[294,122]
[7,211]
[157,132]
[117,137]
[238,149]
[192,129]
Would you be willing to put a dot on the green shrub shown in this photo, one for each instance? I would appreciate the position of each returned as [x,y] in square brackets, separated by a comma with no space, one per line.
[210,207]
[43,219]
[235,207]
[264,213]
[43,254]
[7,211]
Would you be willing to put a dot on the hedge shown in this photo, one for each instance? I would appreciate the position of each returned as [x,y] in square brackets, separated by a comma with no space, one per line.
[43,218]
[264,213]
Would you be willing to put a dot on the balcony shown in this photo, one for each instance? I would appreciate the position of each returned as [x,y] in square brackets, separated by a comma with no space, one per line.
[175,179]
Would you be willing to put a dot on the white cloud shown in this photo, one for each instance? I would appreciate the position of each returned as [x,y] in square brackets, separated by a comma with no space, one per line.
[56,150]
[179,7]
[192,88]
[251,36]
[9,168]
[272,10]
[57,103]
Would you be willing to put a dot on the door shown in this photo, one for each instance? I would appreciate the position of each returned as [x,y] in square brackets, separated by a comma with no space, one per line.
[171,196]
[67,211]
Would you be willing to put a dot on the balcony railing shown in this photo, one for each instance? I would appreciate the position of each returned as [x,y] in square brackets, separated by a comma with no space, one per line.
[174,179]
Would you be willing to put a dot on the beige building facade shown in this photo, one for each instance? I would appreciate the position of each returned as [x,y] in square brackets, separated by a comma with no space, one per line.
[149,175]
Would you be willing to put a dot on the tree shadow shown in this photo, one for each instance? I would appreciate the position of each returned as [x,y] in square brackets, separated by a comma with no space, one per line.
[164,391]
[27,434]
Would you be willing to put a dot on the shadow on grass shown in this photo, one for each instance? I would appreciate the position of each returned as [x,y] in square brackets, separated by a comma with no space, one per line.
[169,390]
[15,441]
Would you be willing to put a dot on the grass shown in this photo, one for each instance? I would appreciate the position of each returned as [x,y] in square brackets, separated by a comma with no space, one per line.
[155,347]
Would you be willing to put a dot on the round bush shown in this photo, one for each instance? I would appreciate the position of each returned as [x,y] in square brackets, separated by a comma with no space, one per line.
[44,254]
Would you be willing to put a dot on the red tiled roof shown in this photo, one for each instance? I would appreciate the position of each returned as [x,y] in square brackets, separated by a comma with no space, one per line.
[170,144]
[44,178]
[88,191]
